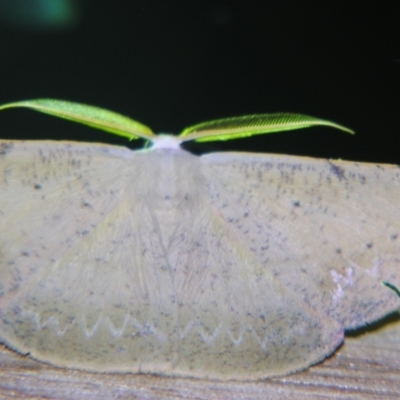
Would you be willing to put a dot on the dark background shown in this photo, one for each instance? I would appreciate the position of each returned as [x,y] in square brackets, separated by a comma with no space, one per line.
[174,63]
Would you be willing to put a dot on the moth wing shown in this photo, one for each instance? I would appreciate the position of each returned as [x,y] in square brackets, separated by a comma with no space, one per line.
[96,275]
[328,230]
[79,284]
[237,320]
[237,292]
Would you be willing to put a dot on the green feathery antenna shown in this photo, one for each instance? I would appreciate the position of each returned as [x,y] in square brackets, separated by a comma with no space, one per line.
[220,129]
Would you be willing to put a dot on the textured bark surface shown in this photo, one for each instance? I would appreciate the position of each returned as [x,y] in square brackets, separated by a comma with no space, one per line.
[366,367]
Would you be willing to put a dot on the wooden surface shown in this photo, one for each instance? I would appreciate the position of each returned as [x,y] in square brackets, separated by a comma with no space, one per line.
[366,367]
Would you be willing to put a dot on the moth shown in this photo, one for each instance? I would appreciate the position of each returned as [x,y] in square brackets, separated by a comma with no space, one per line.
[229,265]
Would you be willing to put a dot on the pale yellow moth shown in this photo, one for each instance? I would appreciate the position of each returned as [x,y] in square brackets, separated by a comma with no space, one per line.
[225,266]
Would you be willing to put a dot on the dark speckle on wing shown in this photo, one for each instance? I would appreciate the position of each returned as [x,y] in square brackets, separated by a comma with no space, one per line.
[337,171]
[5,148]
